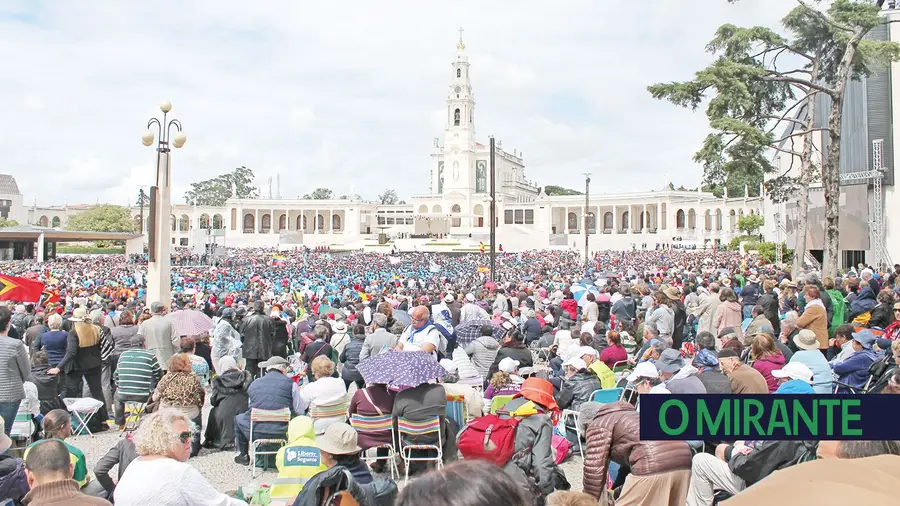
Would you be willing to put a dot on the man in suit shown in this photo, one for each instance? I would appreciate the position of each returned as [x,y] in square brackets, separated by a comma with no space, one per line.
[159,334]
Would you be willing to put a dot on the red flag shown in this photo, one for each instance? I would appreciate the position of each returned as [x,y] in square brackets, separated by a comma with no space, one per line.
[49,297]
[501,248]
[482,247]
[20,289]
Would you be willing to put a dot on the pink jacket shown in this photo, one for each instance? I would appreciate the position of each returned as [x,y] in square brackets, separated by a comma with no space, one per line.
[766,366]
[728,314]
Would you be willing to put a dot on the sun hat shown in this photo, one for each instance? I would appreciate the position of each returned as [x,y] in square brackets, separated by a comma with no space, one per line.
[79,315]
[643,370]
[672,293]
[339,439]
[449,298]
[753,279]
[806,340]
[540,391]
[339,327]
[5,441]
[864,337]
[575,362]
[669,361]
[587,350]
[794,370]
[508,365]
[470,297]
[274,363]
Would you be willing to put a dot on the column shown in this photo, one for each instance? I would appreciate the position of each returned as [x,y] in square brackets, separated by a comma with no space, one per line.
[159,284]
[615,219]
[274,222]
[330,225]
[256,226]
[40,248]
[646,218]
[315,221]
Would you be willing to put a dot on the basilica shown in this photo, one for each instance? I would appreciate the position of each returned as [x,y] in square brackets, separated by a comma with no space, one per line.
[455,214]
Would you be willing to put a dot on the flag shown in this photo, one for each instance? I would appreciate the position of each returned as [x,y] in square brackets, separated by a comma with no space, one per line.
[278,261]
[484,269]
[501,248]
[20,289]
[48,297]
[482,246]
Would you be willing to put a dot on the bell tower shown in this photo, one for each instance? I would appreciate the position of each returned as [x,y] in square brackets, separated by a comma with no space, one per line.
[459,135]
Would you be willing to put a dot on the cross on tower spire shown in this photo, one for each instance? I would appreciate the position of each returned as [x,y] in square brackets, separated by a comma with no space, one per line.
[461,46]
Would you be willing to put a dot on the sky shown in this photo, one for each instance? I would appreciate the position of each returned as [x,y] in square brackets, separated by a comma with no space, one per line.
[349,95]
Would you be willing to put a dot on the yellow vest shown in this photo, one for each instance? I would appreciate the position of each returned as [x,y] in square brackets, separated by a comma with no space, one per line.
[604,374]
[296,463]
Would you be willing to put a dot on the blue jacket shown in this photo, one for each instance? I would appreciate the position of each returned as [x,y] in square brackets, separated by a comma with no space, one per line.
[13,484]
[819,366]
[54,343]
[272,391]
[855,370]
[795,387]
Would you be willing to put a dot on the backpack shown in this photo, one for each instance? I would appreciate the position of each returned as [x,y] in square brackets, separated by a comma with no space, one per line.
[489,438]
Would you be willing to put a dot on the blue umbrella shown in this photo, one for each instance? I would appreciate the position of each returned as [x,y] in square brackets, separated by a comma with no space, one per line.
[401,368]
[470,331]
[402,317]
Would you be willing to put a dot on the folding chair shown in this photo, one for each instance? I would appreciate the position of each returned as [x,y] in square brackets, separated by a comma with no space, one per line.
[22,430]
[378,426]
[620,366]
[571,413]
[607,395]
[417,429]
[456,410]
[338,410]
[260,416]
[82,409]
[134,410]
[498,401]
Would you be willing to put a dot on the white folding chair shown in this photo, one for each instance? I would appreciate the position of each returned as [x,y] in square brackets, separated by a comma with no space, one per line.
[378,426]
[571,413]
[416,429]
[260,416]
[82,409]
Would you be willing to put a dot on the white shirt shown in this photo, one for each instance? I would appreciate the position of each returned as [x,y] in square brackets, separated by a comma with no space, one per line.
[421,338]
[472,311]
[167,482]
[322,392]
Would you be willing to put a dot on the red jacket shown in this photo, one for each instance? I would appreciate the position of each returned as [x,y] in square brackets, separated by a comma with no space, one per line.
[570,307]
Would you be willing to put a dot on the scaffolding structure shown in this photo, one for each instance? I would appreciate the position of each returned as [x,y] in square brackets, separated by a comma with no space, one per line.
[881,259]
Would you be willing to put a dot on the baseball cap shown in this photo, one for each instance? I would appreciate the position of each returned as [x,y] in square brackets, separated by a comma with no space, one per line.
[643,370]
[575,362]
[794,370]
[669,361]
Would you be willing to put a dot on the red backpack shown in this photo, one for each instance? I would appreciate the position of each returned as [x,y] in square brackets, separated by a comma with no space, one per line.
[489,438]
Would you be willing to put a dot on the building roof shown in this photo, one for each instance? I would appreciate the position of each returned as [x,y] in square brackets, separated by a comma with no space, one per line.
[8,185]
[53,234]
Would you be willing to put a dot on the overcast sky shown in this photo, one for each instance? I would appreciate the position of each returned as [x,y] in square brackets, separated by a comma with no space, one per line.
[348,94]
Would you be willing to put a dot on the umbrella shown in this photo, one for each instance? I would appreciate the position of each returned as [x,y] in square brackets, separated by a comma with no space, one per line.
[490,285]
[189,322]
[326,310]
[470,331]
[401,368]
[402,317]
[580,292]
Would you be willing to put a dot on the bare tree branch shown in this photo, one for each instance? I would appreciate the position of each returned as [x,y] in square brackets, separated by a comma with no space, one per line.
[825,19]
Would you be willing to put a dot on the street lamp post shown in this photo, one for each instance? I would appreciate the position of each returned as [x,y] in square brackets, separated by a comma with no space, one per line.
[159,284]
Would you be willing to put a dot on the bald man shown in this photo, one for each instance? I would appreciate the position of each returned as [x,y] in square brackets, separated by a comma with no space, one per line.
[422,334]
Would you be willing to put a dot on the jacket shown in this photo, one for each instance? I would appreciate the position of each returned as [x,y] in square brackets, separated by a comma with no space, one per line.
[756,324]
[577,389]
[591,312]
[686,381]
[514,350]
[707,310]
[714,381]
[815,318]
[381,492]
[615,434]
[625,309]
[382,404]
[570,307]
[122,454]
[750,294]
[226,341]
[864,302]
[483,352]
[882,316]
[280,336]
[13,483]
[746,380]
[350,359]
[728,314]
[819,366]
[61,493]
[161,338]
[297,461]
[228,398]
[272,391]
[769,303]
[376,343]
[765,367]
[14,369]
[122,336]
[680,320]
[533,433]
[54,343]
[766,457]
[855,370]
[257,337]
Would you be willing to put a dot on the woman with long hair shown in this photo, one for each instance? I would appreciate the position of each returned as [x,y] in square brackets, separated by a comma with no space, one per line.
[767,357]
[83,363]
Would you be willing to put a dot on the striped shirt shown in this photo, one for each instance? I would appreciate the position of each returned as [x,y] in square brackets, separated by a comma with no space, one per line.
[137,372]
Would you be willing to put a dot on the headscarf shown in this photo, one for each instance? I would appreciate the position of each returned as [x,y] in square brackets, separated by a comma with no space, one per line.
[227,363]
[706,358]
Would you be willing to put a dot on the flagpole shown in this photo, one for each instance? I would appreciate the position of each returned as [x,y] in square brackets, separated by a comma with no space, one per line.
[493,213]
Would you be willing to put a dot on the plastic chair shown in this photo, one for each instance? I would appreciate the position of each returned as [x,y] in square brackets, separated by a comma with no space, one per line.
[498,401]
[456,410]
[417,429]
[378,426]
[607,395]
[260,416]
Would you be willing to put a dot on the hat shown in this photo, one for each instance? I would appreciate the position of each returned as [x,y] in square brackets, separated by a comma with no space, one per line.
[753,279]
[669,361]
[763,328]
[794,370]
[506,316]
[470,297]
[727,332]
[728,353]
[575,362]
[864,337]
[339,439]
[449,365]
[725,281]
[508,365]
[5,441]
[79,315]
[643,370]
[339,327]
[228,313]
[672,293]
[806,340]
[449,298]
[274,363]
[587,350]
[539,391]
[526,371]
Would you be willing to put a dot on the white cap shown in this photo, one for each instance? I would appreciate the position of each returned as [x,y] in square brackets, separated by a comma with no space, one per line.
[508,365]
[449,298]
[643,370]
[448,365]
[506,316]
[794,370]
[587,350]
[575,362]
[470,297]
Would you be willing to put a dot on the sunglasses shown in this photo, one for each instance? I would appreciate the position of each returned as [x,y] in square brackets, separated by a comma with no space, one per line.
[185,436]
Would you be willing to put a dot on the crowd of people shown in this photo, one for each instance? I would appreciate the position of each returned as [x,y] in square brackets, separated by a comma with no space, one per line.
[360,352]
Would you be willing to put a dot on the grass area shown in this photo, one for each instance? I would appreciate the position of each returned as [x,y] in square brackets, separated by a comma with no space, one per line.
[442,244]
[90,250]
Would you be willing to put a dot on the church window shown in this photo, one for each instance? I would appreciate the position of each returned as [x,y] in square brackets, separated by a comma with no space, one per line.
[508,217]
[456,117]
[529,216]
[458,73]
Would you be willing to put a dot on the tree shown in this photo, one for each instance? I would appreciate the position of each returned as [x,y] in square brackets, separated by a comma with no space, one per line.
[388,197]
[750,224]
[352,196]
[214,192]
[319,194]
[143,196]
[752,96]
[559,190]
[6,223]
[102,218]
